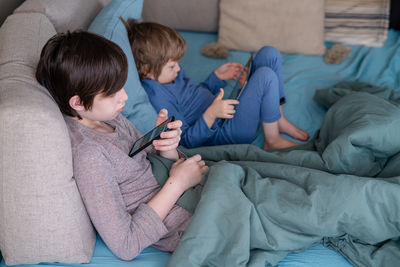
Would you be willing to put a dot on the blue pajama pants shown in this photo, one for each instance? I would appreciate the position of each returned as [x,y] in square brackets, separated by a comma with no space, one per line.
[260,99]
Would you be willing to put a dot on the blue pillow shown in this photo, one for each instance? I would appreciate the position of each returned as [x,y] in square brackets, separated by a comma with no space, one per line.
[107,23]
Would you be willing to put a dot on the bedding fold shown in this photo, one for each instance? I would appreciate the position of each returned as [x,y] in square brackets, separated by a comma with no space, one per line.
[341,189]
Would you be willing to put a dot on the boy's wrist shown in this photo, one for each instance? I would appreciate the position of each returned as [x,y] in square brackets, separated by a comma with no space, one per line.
[174,185]
[170,154]
[216,74]
[209,117]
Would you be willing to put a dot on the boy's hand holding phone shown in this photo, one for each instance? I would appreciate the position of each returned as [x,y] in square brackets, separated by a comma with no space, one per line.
[169,140]
[220,108]
[164,137]
[229,71]
[243,76]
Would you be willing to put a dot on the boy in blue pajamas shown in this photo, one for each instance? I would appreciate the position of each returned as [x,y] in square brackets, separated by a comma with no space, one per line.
[157,50]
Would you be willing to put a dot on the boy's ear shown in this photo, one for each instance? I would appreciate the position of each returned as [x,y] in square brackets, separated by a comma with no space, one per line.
[145,70]
[75,103]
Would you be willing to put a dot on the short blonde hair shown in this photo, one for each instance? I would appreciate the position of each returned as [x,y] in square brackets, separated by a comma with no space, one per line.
[153,45]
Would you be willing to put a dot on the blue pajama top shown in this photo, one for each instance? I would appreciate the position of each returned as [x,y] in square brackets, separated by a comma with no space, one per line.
[187,102]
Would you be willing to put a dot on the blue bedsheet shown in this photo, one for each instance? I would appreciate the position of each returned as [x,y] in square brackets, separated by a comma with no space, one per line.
[302,76]
[151,257]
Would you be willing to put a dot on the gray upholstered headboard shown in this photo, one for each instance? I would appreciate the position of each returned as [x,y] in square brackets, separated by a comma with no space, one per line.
[7,7]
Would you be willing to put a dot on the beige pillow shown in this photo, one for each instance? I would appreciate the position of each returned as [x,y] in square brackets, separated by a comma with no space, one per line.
[292,26]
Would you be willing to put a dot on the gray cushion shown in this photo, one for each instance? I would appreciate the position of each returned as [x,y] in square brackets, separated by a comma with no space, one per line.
[7,7]
[65,15]
[42,217]
[23,36]
[192,15]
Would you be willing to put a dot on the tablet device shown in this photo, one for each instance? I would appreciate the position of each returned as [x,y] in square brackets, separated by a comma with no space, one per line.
[148,138]
[238,90]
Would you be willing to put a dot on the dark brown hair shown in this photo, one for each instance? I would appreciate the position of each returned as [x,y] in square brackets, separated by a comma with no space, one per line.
[153,45]
[81,63]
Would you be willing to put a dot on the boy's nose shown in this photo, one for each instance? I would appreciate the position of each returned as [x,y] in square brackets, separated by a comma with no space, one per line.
[123,95]
[178,68]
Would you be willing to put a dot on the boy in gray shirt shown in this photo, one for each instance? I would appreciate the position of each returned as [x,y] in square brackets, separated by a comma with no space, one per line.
[85,74]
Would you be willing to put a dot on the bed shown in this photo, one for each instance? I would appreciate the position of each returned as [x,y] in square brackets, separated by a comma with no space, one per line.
[303,75]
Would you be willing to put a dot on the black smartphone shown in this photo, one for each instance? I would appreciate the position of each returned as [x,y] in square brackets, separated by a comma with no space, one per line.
[148,138]
[238,89]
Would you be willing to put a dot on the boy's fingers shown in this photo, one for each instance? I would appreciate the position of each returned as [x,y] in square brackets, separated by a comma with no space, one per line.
[174,125]
[162,116]
[232,101]
[204,169]
[221,94]
[166,148]
[227,116]
[167,141]
[163,112]
[230,108]
[196,157]
[170,134]
[163,142]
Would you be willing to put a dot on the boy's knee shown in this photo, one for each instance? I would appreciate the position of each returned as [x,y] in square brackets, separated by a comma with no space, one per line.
[269,51]
[266,80]
[265,74]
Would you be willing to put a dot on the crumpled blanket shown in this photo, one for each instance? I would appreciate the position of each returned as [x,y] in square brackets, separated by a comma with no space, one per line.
[342,189]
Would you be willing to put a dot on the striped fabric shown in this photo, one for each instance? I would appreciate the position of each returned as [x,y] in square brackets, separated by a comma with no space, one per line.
[357,22]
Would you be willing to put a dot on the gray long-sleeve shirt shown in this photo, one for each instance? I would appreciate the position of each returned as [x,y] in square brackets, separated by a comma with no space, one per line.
[115,189]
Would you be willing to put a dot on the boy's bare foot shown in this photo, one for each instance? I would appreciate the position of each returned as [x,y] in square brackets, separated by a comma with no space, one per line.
[278,143]
[290,129]
[272,138]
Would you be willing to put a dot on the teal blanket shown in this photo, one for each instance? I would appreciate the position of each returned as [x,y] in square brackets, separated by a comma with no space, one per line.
[341,189]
